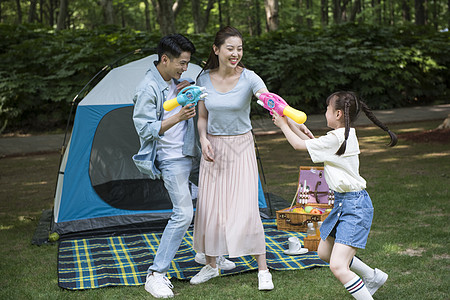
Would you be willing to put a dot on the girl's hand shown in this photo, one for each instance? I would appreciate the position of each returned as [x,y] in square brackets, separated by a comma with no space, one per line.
[305,130]
[207,150]
[278,120]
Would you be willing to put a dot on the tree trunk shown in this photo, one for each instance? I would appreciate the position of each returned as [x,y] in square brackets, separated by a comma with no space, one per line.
[406,11]
[165,16]
[420,12]
[19,12]
[376,4]
[108,11]
[201,16]
[337,16]
[122,16]
[32,15]
[41,11]
[176,7]
[392,12]
[257,16]
[324,12]
[148,24]
[340,11]
[300,14]
[271,7]
[309,8]
[51,13]
[227,12]
[344,10]
[435,14]
[62,15]
[355,10]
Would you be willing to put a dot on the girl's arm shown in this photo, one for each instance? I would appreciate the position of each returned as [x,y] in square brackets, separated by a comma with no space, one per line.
[295,140]
[300,129]
[202,123]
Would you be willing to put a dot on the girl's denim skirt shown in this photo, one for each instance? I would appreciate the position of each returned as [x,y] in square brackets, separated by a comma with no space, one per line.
[350,220]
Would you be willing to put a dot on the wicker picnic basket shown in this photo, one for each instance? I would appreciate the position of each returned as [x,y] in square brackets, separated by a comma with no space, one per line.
[311,243]
[317,195]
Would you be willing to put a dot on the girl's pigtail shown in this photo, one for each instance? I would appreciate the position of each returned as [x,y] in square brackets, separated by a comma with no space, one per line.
[377,122]
[341,149]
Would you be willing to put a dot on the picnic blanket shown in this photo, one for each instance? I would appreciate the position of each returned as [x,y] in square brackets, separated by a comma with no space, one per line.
[123,260]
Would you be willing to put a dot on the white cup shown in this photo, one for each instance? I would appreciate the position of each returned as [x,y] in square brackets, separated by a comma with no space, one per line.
[294,244]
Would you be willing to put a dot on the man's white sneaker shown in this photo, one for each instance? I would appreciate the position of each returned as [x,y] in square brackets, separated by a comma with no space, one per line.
[158,285]
[374,283]
[205,274]
[265,281]
[222,262]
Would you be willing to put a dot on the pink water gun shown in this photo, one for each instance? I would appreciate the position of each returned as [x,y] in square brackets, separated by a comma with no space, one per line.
[271,101]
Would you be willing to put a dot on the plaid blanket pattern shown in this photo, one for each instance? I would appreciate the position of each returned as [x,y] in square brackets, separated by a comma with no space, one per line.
[124,260]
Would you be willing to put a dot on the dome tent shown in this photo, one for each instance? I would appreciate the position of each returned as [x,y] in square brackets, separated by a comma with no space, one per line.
[99,189]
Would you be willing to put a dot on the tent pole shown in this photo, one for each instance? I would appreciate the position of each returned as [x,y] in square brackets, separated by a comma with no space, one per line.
[258,157]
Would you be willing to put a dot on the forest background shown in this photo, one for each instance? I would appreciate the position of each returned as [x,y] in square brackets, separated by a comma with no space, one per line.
[394,53]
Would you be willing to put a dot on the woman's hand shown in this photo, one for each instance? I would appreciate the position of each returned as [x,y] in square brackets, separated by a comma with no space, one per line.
[207,150]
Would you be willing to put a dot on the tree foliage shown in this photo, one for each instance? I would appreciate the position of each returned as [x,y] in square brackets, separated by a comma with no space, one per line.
[42,69]
[204,16]
[387,66]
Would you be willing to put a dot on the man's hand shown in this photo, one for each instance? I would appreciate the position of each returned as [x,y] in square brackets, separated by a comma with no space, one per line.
[182,85]
[186,112]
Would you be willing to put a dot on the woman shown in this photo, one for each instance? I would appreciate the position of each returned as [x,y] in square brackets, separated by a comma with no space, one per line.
[227,220]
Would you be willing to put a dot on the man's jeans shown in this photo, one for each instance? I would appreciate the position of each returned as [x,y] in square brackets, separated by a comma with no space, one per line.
[175,173]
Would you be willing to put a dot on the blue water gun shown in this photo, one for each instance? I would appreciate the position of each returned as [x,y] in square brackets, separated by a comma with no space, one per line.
[190,94]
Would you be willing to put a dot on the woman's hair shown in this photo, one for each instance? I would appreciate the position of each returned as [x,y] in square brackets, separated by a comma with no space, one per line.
[219,40]
[351,106]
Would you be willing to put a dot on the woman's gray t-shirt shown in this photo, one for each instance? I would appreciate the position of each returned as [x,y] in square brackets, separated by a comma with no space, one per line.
[229,113]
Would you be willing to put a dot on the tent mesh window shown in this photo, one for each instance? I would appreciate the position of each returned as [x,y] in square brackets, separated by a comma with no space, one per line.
[113,174]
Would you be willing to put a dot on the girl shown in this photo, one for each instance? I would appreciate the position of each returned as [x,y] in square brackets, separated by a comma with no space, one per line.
[348,225]
[227,220]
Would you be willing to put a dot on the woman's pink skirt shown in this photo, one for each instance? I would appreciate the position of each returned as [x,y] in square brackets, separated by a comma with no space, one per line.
[227,220]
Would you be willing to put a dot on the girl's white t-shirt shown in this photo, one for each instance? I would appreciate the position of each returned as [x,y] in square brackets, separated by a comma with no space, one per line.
[341,172]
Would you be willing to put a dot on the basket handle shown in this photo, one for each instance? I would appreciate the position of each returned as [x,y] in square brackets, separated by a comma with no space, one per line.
[313,219]
[315,193]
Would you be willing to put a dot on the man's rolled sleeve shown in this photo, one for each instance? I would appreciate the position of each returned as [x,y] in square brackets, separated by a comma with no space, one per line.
[145,116]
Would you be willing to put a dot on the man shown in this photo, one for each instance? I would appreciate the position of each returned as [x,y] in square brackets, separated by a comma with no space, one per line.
[168,148]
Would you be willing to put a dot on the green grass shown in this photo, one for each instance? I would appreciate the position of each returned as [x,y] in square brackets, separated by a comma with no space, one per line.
[409,238]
